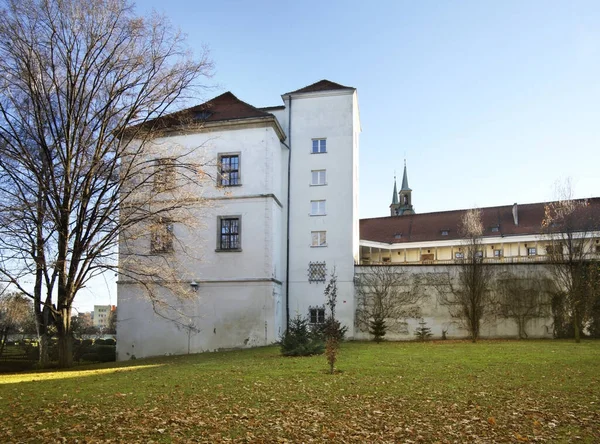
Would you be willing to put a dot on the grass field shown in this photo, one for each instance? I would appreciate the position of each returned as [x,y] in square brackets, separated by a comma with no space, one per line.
[493,391]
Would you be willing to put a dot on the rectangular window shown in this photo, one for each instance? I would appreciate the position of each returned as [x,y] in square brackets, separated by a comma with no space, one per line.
[495,229]
[317,271]
[316,315]
[531,251]
[318,238]
[459,255]
[161,240]
[479,254]
[497,253]
[229,233]
[317,207]
[164,174]
[445,232]
[318,177]
[319,146]
[229,170]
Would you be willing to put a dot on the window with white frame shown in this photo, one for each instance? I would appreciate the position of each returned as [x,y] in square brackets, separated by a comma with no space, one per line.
[317,207]
[161,240]
[318,238]
[229,170]
[230,233]
[319,146]
[318,177]
[316,315]
[531,251]
[459,255]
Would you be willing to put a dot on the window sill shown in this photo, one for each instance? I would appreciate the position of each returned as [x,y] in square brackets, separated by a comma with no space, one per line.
[229,186]
[310,214]
[230,250]
[318,184]
[323,152]
[318,246]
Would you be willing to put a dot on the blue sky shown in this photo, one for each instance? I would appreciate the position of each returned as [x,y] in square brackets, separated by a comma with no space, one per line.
[490,102]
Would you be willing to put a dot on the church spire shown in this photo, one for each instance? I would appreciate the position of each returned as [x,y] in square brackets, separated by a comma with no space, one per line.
[395,197]
[405,179]
[402,201]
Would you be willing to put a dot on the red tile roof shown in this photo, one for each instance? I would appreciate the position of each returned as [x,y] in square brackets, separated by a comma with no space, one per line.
[429,226]
[321,85]
[221,108]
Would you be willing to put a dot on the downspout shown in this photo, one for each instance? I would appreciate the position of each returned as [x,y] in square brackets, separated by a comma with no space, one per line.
[287,250]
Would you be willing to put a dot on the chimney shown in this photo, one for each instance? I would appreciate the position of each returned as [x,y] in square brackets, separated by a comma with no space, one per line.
[515,212]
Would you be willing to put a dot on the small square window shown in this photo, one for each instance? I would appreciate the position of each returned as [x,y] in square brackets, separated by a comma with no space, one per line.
[317,271]
[495,229]
[230,231]
[318,238]
[229,170]
[317,207]
[318,177]
[316,315]
[497,253]
[319,146]
[479,254]
[531,251]
[161,240]
[459,255]
[398,236]
[445,232]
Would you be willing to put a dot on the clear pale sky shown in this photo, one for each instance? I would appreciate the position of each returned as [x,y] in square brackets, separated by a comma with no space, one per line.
[491,102]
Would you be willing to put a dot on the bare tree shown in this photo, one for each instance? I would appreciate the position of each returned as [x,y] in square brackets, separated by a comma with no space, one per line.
[570,225]
[15,313]
[386,297]
[523,298]
[83,84]
[470,299]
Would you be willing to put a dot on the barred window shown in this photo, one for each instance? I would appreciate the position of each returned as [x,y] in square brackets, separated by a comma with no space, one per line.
[161,240]
[317,271]
[316,315]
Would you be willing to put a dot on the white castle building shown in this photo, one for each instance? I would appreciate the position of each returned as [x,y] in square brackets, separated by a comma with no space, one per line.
[283,215]
[279,213]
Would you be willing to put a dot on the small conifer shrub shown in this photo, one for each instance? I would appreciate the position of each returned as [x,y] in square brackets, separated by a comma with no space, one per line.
[423,333]
[299,340]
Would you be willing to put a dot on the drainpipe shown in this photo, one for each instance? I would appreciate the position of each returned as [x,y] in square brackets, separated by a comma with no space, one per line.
[287,250]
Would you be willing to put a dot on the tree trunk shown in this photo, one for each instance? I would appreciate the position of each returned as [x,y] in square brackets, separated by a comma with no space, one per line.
[576,326]
[65,338]
[3,339]
[43,350]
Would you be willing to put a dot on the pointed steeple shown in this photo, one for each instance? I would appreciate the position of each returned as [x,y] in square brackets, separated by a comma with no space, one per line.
[405,179]
[395,197]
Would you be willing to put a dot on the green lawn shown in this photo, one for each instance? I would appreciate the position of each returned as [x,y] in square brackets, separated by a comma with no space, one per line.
[493,391]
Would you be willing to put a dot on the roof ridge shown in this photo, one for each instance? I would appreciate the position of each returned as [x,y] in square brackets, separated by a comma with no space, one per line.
[321,85]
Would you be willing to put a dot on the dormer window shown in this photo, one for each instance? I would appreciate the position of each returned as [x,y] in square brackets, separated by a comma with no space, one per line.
[398,236]
[445,232]
[495,229]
